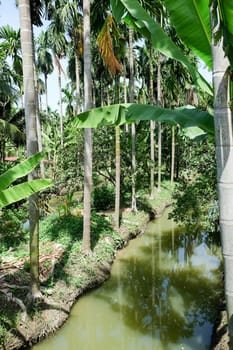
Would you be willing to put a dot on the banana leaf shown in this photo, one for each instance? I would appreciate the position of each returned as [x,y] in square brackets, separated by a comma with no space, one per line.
[20,170]
[101,116]
[191,18]
[226,15]
[16,193]
[113,115]
[134,15]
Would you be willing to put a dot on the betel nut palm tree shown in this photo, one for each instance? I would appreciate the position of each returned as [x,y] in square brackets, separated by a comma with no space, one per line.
[86,243]
[31,136]
[106,48]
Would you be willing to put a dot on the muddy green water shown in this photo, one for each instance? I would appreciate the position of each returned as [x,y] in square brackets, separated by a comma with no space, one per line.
[163,294]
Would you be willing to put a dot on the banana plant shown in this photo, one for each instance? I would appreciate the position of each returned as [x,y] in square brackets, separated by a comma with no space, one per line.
[10,193]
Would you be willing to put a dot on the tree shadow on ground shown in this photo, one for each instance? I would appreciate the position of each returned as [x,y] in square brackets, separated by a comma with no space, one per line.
[68,231]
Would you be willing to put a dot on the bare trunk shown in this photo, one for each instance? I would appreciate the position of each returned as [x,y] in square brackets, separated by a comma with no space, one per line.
[159,101]
[117,161]
[38,123]
[125,93]
[152,129]
[173,156]
[133,128]
[77,74]
[118,177]
[159,156]
[134,202]
[60,105]
[86,244]
[31,135]
[46,95]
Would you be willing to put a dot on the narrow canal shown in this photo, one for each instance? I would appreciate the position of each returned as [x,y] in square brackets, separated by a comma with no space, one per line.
[163,294]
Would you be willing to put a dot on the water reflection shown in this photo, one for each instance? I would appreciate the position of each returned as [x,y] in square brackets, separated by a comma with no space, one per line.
[163,294]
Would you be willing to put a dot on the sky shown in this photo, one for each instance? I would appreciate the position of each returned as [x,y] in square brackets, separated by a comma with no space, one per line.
[9,14]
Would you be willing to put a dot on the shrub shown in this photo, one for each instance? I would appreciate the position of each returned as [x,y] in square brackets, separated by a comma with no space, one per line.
[103,197]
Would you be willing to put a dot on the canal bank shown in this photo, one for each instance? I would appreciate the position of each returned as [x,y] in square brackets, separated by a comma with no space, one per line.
[61,290]
[162,294]
[51,313]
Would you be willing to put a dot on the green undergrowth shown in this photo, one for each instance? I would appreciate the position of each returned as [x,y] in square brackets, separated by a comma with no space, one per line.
[161,198]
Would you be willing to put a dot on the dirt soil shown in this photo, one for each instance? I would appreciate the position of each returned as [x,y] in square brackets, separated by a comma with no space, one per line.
[50,312]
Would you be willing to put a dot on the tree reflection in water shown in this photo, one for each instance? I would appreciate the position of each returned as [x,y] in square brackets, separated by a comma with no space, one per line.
[171,284]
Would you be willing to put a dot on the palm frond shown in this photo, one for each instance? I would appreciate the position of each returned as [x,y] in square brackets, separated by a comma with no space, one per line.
[105,44]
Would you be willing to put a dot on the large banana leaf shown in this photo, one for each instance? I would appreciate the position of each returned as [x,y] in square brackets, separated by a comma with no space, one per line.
[134,14]
[191,19]
[186,117]
[21,191]
[119,114]
[226,14]
[102,116]
[19,170]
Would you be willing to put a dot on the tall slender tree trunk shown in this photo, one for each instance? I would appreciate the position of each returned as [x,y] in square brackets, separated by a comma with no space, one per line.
[31,136]
[38,122]
[173,156]
[46,94]
[60,104]
[152,126]
[133,128]
[118,177]
[224,157]
[125,91]
[117,162]
[86,244]
[159,102]
[77,74]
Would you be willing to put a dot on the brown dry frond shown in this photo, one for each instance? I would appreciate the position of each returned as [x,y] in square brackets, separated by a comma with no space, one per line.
[105,44]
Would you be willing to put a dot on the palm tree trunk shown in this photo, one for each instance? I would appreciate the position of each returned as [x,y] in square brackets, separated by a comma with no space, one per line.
[133,128]
[173,156]
[118,177]
[152,127]
[134,202]
[159,156]
[159,101]
[31,135]
[60,105]
[224,158]
[125,91]
[117,160]
[77,74]
[38,122]
[86,243]
[46,95]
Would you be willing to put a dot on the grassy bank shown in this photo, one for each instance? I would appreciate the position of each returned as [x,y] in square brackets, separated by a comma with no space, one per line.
[65,273]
